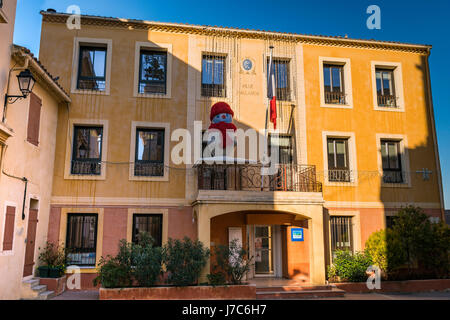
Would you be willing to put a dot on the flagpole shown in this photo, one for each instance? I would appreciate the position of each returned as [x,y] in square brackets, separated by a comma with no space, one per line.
[269,74]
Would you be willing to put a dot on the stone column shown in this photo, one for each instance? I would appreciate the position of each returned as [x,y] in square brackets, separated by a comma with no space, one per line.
[317,254]
[204,235]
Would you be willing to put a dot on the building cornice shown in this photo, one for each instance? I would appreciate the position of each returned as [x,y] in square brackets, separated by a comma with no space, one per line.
[131,24]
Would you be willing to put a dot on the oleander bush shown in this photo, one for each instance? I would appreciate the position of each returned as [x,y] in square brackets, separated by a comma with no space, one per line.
[184,260]
[349,267]
[231,264]
[414,248]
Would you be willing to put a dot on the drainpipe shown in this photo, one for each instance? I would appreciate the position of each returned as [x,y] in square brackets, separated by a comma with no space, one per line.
[25,180]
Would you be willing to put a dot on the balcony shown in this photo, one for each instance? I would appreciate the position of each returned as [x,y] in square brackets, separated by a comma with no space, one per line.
[86,167]
[248,177]
[392,176]
[335,98]
[387,101]
[339,175]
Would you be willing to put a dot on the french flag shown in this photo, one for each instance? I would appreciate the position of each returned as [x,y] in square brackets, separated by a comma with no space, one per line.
[271,92]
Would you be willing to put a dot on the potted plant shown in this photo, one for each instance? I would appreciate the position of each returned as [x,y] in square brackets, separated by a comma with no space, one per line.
[53,260]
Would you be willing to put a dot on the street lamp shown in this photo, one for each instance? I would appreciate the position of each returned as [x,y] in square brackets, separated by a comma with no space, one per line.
[26,85]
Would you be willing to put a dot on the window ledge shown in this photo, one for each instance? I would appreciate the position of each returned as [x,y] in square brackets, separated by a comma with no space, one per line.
[152,96]
[90,92]
[404,185]
[154,179]
[341,184]
[84,177]
[389,109]
[337,106]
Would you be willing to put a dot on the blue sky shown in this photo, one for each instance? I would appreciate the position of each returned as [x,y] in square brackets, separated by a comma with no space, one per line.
[414,21]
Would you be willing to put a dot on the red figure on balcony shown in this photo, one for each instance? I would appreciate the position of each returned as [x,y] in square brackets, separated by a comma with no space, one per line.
[222,120]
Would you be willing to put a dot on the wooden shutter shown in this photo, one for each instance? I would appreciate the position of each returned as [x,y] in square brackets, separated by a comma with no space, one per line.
[8,235]
[34,119]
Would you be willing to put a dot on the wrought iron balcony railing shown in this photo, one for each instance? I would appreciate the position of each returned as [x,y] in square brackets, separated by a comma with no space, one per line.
[387,101]
[88,167]
[248,177]
[335,98]
[339,175]
[393,176]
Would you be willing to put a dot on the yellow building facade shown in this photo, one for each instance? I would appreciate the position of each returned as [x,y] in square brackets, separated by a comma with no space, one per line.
[357,140]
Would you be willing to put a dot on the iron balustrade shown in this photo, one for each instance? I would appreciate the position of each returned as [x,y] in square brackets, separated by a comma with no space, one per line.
[248,177]
[335,98]
[142,169]
[339,175]
[392,176]
[387,101]
[87,167]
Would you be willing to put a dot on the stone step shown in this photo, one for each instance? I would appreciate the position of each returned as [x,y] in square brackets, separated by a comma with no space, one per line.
[39,288]
[303,294]
[293,288]
[31,282]
[46,295]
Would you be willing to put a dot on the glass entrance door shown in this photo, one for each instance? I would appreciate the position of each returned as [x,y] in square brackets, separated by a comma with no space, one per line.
[263,250]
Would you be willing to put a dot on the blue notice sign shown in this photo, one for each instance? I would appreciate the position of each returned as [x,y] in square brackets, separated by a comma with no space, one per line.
[297,234]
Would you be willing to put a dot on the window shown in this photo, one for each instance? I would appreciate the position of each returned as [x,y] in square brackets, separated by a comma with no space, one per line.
[338,160]
[8,233]
[92,68]
[391,159]
[81,240]
[285,148]
[149,160]
[87,150]
[341,234]
[150,223]
[213,76]
[385,88]
[34,119]
[333,78]
[153,72]
[282,79]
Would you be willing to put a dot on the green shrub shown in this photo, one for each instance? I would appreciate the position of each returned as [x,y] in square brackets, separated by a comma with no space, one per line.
[184,260]
[436,255]
[147,261]
[414,248]
[233,261]
[349,267]
[113,274]
[384,249]
[217,278]
[54,256]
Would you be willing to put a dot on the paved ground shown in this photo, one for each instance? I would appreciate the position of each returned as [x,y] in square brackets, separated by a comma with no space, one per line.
[93,295]
[78,295]
[394,296]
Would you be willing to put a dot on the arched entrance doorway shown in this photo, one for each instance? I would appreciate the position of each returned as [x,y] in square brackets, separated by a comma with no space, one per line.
[277,242]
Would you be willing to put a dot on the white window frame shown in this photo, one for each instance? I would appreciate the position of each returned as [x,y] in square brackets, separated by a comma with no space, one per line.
[157,46]
[76,59]
[348,87]
[292,91]
[228,77]
[404,158]
[150,125]
[165,221]
[396,67]
[356,227]
[351,157]
[69,149]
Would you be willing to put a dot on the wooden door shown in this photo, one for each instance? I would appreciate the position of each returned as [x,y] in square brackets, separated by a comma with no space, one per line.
[30,245]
